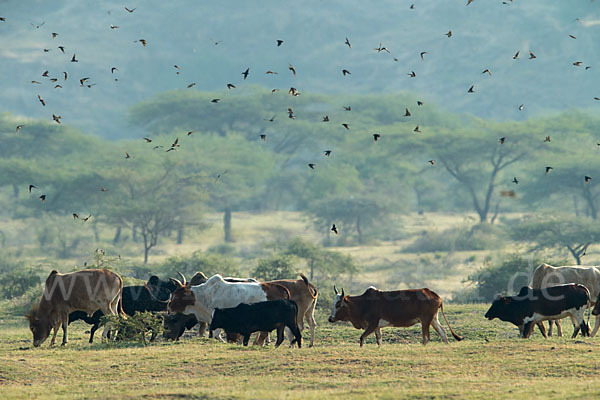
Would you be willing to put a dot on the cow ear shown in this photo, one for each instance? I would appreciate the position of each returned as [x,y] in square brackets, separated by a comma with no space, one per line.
[153,280]
[506,300]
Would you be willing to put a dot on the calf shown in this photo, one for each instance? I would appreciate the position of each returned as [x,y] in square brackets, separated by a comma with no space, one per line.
[375,309]
[153,296]
[263,316]
[532,306]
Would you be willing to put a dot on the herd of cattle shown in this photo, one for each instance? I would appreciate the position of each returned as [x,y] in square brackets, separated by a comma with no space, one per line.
[240,307]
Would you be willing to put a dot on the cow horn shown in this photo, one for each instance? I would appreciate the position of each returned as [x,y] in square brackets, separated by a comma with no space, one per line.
[342,292]
[183,276]
[179,284]
[335,290]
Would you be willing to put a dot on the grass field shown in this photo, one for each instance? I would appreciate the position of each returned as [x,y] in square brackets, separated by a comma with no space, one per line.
[492,362]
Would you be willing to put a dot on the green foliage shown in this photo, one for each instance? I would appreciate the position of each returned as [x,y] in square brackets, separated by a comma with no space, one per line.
[134,328]
[208,263]
[562,232]
[482,236]
[18,281]
[505,277]
[275,267]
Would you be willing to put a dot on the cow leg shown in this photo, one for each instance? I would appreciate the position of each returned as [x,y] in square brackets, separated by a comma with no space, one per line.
[558,328]
[528,330]
[280,335]
[378,336]
[310,317]
[542,329]
[260,339]
[439,329]
[54,335]
[425,325]
[596,325]
[370,329]
[65,324]
[93,331]
[201,328]
[550,326]
[246,338]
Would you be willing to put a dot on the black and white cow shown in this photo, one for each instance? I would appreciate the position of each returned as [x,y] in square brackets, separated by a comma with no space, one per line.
[263,316]
[532,306]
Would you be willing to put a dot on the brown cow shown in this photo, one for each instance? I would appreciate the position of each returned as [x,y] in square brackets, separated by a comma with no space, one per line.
[88,290]
[375,309]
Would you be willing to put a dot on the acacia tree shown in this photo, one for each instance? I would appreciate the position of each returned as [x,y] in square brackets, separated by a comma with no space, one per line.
[574,235]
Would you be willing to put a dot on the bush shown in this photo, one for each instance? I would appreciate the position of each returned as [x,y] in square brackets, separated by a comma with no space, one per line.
[208,263]
[479,237]
[15,283]
[134,328]
[275,267]
[506,277]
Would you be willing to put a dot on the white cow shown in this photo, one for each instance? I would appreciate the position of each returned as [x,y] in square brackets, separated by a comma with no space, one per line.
[203,299]
[546,275]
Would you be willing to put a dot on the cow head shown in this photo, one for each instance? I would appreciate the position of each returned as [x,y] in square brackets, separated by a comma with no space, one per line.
[596,309]
[499,308]
[161,290]
[175,324]
[218,319]
[39,325]
[182,296]
[340,309]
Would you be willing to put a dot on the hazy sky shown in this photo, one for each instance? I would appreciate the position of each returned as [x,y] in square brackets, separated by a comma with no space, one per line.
[486,35]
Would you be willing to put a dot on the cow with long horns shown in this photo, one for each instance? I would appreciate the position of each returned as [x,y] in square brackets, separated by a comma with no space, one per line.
[375,309]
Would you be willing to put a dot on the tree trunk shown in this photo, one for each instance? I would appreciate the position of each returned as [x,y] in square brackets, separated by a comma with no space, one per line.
[117,235]
[358,231]
[312,270]
[134,234]
[227,225]
[16,191]
[590,201]
[180,235]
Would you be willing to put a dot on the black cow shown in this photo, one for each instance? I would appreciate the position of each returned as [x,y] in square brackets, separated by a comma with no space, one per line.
[135,299]
[263,316]
[174,325]
[532,306]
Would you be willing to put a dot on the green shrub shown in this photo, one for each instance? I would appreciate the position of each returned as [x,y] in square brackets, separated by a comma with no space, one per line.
[134,328]
[275,267]
[208,263]
[478,237]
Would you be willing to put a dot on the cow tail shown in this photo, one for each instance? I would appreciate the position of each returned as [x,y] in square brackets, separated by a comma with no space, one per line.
[312,289]
[459,338]
[121,298]
[589,309]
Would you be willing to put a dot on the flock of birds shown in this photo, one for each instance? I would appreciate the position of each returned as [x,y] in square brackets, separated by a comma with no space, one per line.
[86,82]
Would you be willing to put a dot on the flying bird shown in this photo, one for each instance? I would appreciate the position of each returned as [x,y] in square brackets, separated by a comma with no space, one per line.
[572,37]
[73,59]
[175,143]
[103,189]
[54,34]
[412,74]
[531,56]
[113,69]
[380,48]
[191,85]
[516,55]
[515,180]
[86,218]
[334,229]
[3,19]
[326,118]
[417,129]
[246,72]
[62,49]
[114,27]
[215,100]
[547,139]
[487,71]
[130,10]
[327,153]
[293,91]
[230,86]
[19,128]
[41,100]
[548,169]
[75,216]
[148,140]
[432,162]
[587,179]
[347,42]
[501,140]
[38,26]
[32,187]
[291,113]
[470,1]
[521,107]
[142,41]
[346,72]
[263,137]
[312,166]
[407,113]
[279,42]
[66,75]
[43,198]
[269,72]
[471,89]
[56,118]
[45,74]
[419,103]
[127,155]
[376,137]
[577,63]
[346,126]
[293,69]
[449,34]
[347,108]
[422,54]
[271,119]
[190,132]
